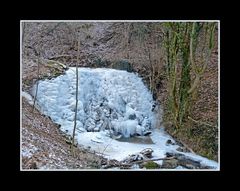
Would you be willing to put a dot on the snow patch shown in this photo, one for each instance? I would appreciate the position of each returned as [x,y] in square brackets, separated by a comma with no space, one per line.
[28,97]
[28,151]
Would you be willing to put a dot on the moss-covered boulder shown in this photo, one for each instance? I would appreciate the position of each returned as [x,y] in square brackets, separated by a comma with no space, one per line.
[150,165]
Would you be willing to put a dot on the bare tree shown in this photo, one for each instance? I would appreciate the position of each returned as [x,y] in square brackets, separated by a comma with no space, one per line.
[76,106]
[37,82]
[36,91]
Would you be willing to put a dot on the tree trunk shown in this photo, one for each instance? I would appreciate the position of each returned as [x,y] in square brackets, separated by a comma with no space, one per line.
[76,106]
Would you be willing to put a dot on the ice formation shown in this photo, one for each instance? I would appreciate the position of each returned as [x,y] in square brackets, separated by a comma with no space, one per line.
[107,99]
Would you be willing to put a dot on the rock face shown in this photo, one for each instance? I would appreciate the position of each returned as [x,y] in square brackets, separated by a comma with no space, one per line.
[123,65]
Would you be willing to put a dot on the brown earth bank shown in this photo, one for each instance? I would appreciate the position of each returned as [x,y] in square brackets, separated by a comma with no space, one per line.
[45,147]
[45,45]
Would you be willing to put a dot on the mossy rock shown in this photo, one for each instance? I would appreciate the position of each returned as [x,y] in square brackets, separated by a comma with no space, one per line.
[151,165]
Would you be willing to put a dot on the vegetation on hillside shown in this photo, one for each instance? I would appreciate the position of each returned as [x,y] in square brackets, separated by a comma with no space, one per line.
[178,59]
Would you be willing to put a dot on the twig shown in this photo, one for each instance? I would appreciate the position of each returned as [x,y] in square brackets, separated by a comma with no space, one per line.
[35,96]
[52,62]
[91,152]
[146,160]
[204,123]
[59,56]
[27,116]
[106,147]
[188,148]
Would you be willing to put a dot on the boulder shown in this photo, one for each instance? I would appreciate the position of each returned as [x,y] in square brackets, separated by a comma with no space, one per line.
[170,164]
[147,152]
[170,142]
[183,149]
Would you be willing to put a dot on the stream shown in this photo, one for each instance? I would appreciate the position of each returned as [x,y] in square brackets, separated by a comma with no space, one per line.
[114,114]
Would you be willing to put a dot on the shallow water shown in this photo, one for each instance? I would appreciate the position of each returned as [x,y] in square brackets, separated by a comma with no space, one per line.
[137,140]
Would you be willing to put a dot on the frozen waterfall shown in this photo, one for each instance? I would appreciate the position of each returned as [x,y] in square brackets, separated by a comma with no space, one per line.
[109,99]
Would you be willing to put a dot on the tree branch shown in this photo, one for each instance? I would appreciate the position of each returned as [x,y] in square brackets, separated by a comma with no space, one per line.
[147,160]
[204,123]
